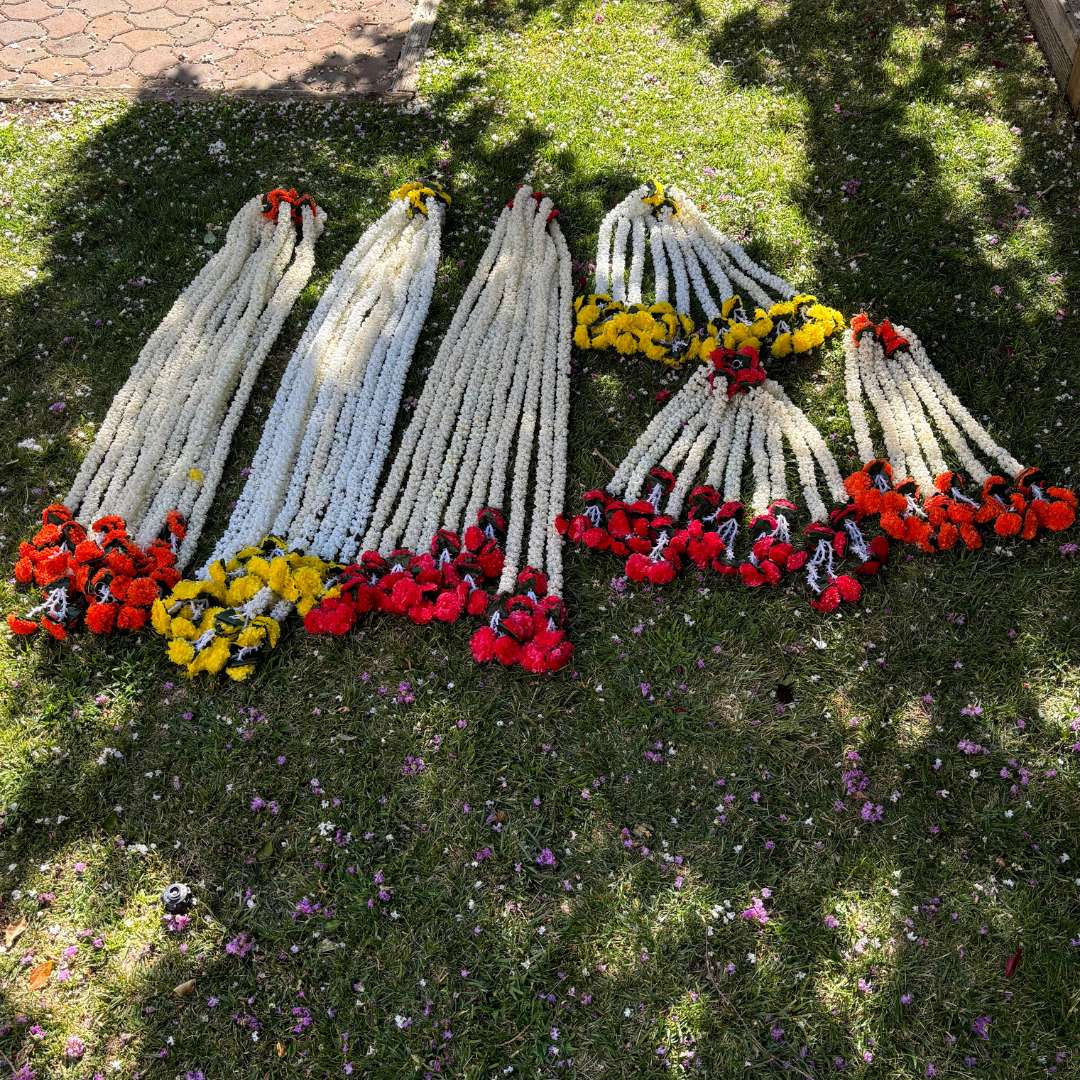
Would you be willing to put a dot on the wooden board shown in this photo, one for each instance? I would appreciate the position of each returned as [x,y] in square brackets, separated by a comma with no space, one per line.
[1057,28]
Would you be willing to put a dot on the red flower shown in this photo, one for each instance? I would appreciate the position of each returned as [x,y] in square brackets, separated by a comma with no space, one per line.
[507,651]
[331,616]
[22,627]
[24,571]
[482,645]
[742,367]
[130,618]
[100,618]
[54,628]
[142,592]
[448,606]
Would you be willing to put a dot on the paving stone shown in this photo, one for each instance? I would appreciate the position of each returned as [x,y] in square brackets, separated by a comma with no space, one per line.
[76,45]
[159,18]
[192,32]
[235,33]
[67,47]
[113,57]
[57,67]
[105,27]
[30,10]
[138,40]
[154,61]
[62,26]
[19,30]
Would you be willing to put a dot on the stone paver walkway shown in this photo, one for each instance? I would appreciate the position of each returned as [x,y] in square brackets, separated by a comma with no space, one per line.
[154,48]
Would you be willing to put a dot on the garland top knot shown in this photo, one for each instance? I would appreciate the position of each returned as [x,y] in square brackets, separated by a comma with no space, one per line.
[417,193]
[705,313]
[272,201]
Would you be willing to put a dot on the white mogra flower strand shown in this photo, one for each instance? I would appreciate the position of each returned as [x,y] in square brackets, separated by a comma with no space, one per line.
[754,425]
[495,407]
[914,406]
[314,475]
[163,443]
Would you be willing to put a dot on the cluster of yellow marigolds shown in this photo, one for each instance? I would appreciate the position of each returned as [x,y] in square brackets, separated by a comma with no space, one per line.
[229,620]
[659,332]
[416,194]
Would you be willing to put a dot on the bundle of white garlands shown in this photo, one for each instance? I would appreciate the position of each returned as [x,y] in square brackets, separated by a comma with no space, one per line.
[728,417]
[158,455]
[463,524]
[912,490]
[311,489]
[656,237]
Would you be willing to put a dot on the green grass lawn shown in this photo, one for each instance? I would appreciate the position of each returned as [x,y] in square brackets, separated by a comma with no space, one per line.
[356,920]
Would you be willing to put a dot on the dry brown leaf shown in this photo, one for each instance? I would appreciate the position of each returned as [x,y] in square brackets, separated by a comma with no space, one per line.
[185,988]
[13,932]
[279,1049]
[40,975]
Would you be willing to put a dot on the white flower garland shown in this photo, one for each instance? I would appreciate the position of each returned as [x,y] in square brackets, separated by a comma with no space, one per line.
[164,440]
[755,424]
[314,475]
[497,391]
[684,247]
[911,399]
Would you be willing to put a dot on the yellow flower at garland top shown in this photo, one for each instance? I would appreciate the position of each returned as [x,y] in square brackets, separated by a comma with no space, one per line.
[232,618]
[698,278]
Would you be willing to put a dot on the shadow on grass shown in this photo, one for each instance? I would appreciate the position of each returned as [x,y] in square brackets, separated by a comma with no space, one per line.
[529,749]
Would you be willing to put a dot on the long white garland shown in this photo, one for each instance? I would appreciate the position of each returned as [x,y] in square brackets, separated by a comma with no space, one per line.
[494,409]
[314,475]
[685,249]
[914,406]
[164,440]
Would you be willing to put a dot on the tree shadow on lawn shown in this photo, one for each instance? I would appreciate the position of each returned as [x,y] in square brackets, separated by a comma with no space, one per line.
[875,83]
[725,725]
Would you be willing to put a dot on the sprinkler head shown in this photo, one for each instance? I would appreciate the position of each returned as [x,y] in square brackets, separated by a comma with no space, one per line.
[177,898]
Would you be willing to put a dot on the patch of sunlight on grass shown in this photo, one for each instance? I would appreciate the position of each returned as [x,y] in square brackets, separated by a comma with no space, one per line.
[914,724]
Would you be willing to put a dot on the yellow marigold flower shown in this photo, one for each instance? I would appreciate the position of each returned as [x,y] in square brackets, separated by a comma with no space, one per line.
[159,618]
[708,345]
[181,652]
[782,345]
[308,581]
[242,589]
[642,322]
[183,628]
[661,308]
[212,658]
[239,672]
[250,636]
[762,326]
[801,340]
[782,310]
[259,566]
[654,351]
[581,336]
[588,314]
[626,344]
[279,574]
[188,589]
[729,305]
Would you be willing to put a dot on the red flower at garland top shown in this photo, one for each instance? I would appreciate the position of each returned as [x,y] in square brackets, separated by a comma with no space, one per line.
[742,368]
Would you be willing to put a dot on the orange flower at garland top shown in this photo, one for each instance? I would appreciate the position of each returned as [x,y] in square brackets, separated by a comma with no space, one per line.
[101,580]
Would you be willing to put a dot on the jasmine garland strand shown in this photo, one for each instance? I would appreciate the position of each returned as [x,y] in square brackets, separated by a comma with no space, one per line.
[323,446]
[164,440]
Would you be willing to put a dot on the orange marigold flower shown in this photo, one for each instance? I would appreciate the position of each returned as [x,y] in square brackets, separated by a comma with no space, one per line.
[131,618]
[54,628]
[142,592]
[101,618]
[22,627]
